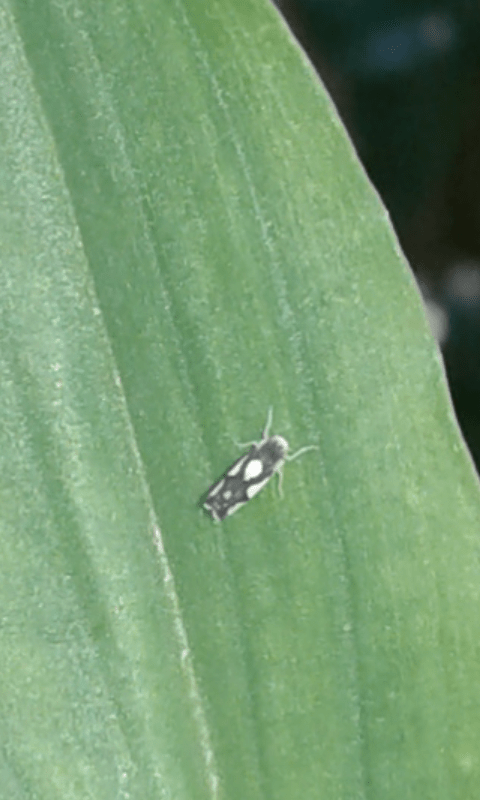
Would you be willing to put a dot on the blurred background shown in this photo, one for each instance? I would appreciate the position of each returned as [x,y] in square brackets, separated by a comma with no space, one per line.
[405,77]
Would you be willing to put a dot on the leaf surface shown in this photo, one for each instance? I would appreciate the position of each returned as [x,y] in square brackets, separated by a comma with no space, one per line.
[188,239]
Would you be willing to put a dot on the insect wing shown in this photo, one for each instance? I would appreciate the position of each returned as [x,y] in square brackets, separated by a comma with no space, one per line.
[230,492]
[245,478]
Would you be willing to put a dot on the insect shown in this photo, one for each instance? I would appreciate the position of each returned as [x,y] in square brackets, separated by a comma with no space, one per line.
[249,474]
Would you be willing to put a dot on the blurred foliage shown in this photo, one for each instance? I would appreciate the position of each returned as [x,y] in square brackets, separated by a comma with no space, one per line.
[406,79]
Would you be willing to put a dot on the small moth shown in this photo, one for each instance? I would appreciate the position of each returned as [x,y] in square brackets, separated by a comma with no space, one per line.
[249,474]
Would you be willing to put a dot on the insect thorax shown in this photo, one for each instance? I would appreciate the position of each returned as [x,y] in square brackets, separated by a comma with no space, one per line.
[272,453]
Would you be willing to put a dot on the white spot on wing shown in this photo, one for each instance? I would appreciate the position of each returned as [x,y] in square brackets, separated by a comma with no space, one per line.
[215,489]
[234,508]
[253,469]
[237,467]
[255,488]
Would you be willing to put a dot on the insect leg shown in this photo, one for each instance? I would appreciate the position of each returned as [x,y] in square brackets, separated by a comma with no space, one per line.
[280,482]
[302,450]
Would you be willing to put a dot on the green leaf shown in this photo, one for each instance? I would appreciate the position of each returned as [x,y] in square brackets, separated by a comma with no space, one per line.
[187,239]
